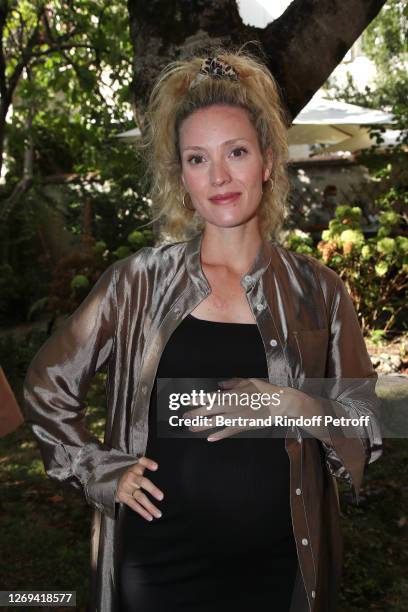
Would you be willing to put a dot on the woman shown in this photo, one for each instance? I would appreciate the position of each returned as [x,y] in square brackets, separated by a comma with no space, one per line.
[228,521]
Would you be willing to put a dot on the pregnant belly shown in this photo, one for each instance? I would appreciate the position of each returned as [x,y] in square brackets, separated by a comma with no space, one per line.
[226,513]
[234,490]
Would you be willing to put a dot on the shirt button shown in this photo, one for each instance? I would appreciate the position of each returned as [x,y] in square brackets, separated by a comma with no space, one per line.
[298,492]
[144,389]
[177,311]
[305,542]
[313,594]
[260,307]
[248,282]
[273,342]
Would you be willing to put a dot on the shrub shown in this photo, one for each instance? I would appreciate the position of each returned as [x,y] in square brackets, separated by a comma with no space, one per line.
[374,269]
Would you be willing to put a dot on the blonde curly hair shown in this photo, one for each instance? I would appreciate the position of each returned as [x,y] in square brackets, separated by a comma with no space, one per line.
[172,101]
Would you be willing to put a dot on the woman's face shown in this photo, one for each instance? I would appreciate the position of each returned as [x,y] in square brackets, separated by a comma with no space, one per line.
[222,167]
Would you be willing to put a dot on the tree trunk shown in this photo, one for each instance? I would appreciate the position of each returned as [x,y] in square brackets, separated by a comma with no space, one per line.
[302,47]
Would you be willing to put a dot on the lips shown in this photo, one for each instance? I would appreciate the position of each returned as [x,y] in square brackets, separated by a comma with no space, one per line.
[221,198]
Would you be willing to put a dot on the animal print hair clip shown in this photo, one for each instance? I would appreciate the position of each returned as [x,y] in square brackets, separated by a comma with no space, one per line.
[215,68]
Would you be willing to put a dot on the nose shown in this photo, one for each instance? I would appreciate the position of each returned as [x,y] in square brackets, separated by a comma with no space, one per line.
[219,173]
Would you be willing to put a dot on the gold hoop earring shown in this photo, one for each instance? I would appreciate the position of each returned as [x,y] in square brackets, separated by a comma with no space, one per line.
[183,202]
[271,183]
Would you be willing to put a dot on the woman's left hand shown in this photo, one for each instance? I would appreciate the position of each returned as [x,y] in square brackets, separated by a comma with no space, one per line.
[264,399]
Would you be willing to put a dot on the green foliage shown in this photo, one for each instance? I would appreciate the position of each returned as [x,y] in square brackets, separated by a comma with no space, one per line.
[56,553]
[299,241]
[377,336]
[385,42]
[74,92]
[100,247]
[139,239]
[122,252]
[392,174]
[374,269]
[78,271]
[71,101]
[79,282]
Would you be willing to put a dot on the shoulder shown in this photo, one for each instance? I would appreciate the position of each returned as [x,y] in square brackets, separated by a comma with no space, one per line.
[311,271]
[148,260]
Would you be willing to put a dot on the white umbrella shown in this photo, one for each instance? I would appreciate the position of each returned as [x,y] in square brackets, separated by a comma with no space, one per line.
[330,122]
[364,140]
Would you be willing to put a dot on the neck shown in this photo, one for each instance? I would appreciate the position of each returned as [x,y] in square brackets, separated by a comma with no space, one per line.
[232,247]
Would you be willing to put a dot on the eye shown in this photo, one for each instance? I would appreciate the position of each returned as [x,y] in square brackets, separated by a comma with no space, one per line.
[194,160]
[240,150]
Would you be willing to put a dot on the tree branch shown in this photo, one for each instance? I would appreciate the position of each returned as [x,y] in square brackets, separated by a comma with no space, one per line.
[309,40]
[302,47]
[4,8]
[25,56]
[58,48]
[62,37]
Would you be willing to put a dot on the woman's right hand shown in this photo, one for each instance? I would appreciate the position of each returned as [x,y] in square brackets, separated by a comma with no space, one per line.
[129,490]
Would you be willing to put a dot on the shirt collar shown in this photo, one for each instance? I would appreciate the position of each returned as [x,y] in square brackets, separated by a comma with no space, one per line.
[195,271]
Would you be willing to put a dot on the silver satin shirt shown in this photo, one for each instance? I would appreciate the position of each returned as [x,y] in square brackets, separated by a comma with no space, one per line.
[309,329]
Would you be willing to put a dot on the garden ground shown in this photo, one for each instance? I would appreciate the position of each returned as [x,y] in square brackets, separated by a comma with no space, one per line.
[45,533]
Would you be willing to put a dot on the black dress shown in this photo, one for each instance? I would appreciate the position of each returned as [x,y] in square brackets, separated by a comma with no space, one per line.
[225,540]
